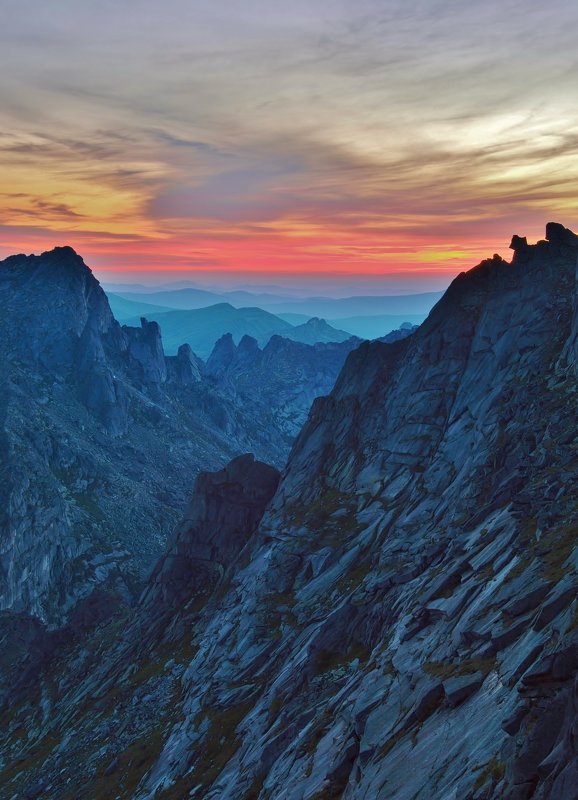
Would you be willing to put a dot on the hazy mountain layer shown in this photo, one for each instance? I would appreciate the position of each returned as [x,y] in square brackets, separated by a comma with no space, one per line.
[324,307]
[125,310]
[202,328]
[376,326]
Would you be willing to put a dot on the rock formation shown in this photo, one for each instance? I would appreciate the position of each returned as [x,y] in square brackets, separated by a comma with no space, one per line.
[281,380]
[224,510]
[101,436]
[402,622]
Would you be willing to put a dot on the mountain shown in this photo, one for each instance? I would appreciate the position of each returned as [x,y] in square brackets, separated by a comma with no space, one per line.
[101,435]
[403,332]
[373,327]
[202,328]
[281,380]
[191,298]
[364,327]
[317,330]
[395,616]
[332,309]
[124,310]
[406,306]
[142,288]
[184,298]
[295,319]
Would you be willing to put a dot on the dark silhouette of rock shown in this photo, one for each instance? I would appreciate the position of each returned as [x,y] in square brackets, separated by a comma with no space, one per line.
[559,235]
[223,512]
[185,368]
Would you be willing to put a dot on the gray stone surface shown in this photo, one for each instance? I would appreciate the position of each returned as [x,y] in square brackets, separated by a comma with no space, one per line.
[431,491]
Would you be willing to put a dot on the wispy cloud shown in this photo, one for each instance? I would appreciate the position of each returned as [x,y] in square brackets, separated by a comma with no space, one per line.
[314,135]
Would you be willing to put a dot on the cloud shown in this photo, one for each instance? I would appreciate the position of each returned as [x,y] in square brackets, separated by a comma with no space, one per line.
[285,130]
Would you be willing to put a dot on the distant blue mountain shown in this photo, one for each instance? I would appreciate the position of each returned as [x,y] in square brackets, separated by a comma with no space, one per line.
[201,328]
[406,306]
[124,309]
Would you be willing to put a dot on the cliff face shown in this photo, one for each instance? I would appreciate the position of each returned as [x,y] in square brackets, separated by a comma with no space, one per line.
[416,571]
[280,381]
[223,512]
[402,622]
[101,436]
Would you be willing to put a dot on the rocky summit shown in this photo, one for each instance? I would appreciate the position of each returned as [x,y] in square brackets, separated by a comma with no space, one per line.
[397,618]
[280,381]
[102,435]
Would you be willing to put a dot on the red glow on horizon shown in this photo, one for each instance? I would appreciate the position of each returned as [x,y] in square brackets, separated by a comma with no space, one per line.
[273,255]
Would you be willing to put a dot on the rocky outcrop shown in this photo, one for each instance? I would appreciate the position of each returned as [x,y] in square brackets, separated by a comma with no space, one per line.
[101,436]
[224,510]
[145,353]
[185,369]
[222,355]
[281,380]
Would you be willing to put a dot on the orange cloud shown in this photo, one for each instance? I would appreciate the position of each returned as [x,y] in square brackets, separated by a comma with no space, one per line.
[373,142]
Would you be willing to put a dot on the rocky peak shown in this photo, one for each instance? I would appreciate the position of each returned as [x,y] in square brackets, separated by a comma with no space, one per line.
[519,244]
[224,510]
[185,368]
[223,354]
[145,351]
[557,234]
[248,345]
[50,300]
[317,323]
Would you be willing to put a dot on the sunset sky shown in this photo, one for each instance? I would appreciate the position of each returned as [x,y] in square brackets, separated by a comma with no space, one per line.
[408,136]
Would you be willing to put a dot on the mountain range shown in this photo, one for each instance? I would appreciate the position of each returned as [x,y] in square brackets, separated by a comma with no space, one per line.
[394,615]
[364,316]
[328,307]
[101,435]
[202,328]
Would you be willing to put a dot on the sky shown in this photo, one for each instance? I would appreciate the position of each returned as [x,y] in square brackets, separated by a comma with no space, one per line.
[407,139]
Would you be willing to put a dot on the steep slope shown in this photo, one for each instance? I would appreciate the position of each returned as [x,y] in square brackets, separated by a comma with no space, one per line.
[402,623]
[282,380]
[419,594]
[100,437]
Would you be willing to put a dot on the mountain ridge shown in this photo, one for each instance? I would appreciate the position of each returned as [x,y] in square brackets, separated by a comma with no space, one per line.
[402,621]
[93,413]
[325,307]
[201,328]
